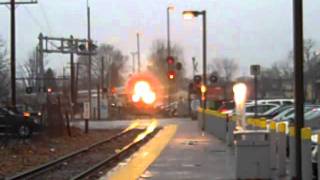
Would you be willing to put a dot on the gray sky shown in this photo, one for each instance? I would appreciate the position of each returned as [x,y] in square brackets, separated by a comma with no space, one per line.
[250,31]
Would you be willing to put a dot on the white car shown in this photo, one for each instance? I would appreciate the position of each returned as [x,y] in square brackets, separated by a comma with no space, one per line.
[261,108]
[272,101]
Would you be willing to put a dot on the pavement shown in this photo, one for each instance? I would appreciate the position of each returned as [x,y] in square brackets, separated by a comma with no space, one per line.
[190,155]
[185,154]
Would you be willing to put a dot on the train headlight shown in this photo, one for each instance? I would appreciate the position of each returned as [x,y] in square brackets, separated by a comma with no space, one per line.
[142,91]
[135,98]
[141,88]
[149,98]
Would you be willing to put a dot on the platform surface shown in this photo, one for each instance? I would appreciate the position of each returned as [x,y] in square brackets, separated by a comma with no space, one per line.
[192,156]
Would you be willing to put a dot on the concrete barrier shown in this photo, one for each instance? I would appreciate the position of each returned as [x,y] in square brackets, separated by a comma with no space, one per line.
[292,152]
[215,123]
[273,146]
[306,153]
[318,155]
[231,121]
[282,149]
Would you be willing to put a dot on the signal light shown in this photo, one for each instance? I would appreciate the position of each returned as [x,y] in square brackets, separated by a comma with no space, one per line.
[49,90]
[203,89]
[197,79]
[171,75]
[113,90]
[179,66]
[170,60]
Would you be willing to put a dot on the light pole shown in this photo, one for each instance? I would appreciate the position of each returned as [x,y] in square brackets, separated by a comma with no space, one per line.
[191,15]
[89,67]
[133,54]
[298,85]
[138,51]
[169,8]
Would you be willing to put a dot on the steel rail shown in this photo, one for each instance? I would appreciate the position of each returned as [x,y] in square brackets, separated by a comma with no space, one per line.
[47,166]
[115,156]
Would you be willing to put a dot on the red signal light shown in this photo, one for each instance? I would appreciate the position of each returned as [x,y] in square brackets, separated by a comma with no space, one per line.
[171,75]
[113,90]
[170,60]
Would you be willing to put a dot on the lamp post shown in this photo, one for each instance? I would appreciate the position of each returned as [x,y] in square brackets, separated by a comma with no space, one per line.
[192,15]
[298,74]
[133,54]
[138,52]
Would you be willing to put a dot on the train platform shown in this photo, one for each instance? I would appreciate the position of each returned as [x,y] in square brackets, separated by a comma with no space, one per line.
[179,151]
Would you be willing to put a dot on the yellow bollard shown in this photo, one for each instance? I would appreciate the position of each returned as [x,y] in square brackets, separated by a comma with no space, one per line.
[263,123]
[273,125]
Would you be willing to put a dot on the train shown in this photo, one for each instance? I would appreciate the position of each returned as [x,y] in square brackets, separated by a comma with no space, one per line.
[142,94]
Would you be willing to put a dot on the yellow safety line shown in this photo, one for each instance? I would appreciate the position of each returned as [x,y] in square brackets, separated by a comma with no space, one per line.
[145,156]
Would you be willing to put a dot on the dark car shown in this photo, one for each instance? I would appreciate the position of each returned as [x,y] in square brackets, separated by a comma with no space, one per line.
[26,112]
[16,124]
[227,107]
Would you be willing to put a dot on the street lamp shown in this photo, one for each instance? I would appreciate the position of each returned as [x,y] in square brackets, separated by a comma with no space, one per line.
[191,15]
[138,51]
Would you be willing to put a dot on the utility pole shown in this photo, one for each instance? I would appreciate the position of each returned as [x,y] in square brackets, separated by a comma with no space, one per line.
[98,102]
[102,72]
[13,53]
[76,82]
[133,54]
[109,74]
[90,58]
[255,71]
[138,50]
[12,4]
[298,85]
[72,86]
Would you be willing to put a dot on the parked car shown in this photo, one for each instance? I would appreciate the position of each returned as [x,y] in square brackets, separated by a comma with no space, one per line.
[261,108]
[272,101]
[284,115]
[17,124]
[275,111]
[26,112]
[227,107]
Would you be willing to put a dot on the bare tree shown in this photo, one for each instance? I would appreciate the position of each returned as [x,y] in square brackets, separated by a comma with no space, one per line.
[226,68]
[31,70]
[114,62]
[158,61]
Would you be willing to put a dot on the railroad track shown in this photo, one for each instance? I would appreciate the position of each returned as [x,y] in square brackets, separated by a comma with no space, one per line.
[87,161]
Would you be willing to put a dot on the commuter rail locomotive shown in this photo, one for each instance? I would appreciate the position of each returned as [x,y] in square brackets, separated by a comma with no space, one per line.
[144,93]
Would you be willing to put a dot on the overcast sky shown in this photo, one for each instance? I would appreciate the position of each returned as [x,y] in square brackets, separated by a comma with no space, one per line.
[250,31]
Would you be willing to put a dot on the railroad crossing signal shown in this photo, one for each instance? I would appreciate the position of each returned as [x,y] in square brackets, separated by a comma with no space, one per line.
[197,79]
[213,79]
[255,70]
